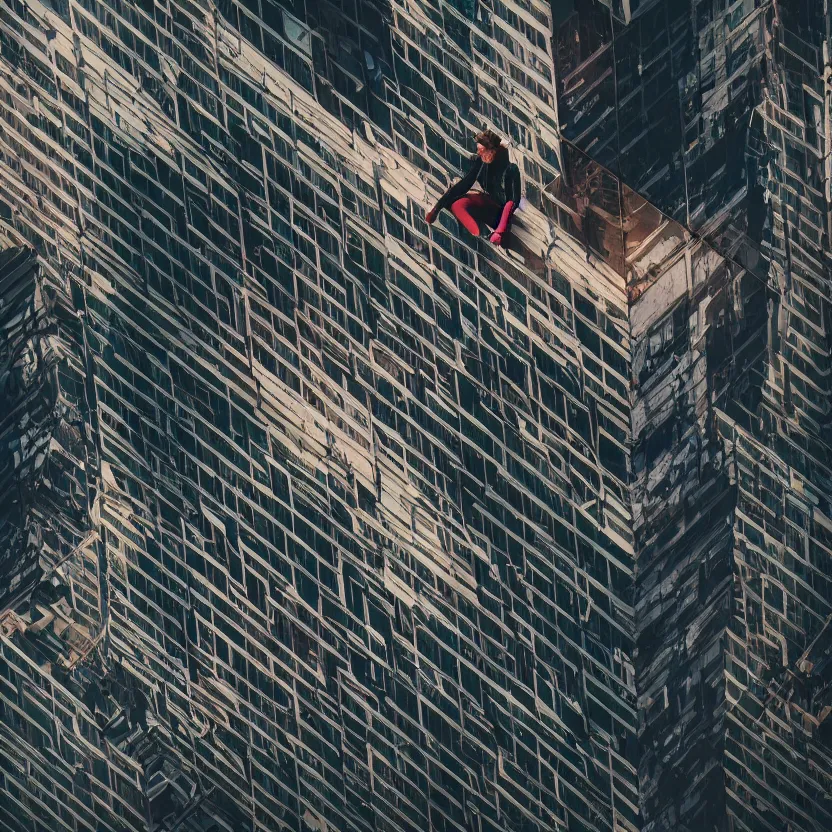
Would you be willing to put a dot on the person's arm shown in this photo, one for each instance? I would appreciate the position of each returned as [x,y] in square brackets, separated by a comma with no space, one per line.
[512,184]
[504,222]
[512,190]
[456,190]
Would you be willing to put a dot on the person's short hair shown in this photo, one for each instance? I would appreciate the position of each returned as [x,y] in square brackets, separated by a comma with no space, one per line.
[489,139]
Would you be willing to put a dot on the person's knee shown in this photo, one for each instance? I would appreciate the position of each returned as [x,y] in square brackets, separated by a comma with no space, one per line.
[460,206]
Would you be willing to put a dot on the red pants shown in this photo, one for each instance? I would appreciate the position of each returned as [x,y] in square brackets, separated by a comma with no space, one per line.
[477,207]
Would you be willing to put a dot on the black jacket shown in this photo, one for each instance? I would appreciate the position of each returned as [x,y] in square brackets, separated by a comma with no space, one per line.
[500,180]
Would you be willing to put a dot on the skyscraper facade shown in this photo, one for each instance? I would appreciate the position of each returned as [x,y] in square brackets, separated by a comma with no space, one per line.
[318,516]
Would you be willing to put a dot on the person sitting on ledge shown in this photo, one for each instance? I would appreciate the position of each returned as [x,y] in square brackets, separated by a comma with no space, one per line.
[495,204]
